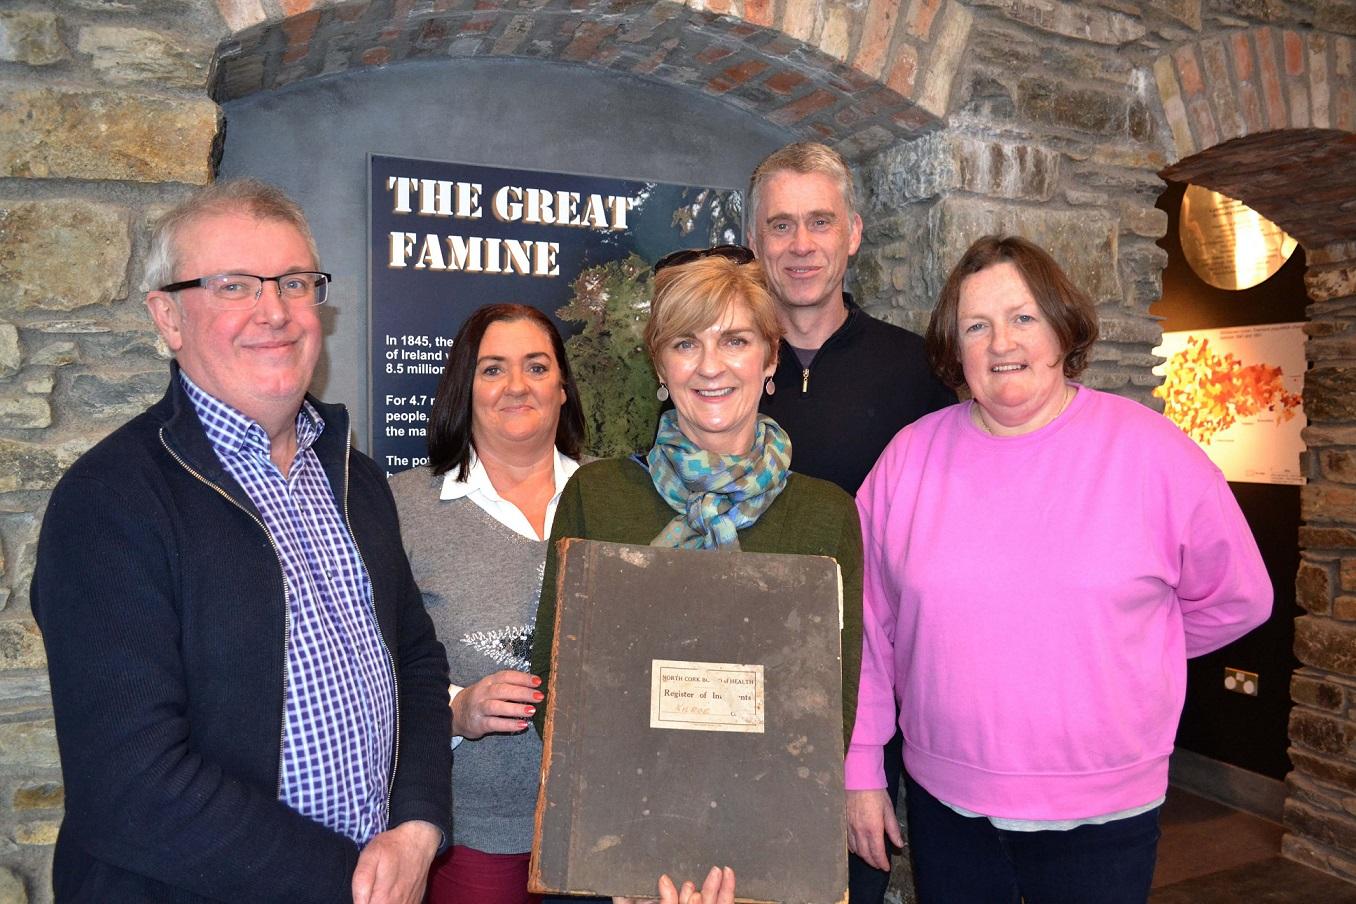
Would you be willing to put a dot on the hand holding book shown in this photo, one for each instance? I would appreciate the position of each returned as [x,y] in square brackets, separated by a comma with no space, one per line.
[718,888]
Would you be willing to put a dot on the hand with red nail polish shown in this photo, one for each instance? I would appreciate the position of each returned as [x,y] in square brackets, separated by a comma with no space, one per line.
[494,704]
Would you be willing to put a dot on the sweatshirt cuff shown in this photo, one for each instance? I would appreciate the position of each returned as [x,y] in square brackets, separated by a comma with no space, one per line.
[864,768]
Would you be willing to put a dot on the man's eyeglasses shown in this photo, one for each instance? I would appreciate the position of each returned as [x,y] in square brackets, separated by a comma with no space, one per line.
[240,291]
[737,253]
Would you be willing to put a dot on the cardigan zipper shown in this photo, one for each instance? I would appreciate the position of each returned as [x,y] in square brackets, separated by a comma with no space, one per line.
[805,381]
[287,596]
[390,660]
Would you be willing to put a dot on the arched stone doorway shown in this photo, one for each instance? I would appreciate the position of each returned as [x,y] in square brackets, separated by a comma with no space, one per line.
[1259,117]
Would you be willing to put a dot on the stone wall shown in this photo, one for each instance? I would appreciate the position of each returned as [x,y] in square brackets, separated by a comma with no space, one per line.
[103,119]
[1062,118]
[1047,117]
[1322,789]
[1051,135]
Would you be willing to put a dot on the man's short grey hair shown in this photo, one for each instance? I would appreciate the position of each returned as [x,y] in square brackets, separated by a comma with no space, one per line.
[802,157]
[249,196]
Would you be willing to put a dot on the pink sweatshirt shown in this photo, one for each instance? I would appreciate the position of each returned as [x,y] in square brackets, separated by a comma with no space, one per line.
[1032,601]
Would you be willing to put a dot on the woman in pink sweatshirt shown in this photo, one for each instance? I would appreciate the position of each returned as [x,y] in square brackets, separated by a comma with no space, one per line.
[1040,561]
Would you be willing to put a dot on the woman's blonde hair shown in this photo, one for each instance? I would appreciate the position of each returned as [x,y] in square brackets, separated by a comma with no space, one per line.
[689,298]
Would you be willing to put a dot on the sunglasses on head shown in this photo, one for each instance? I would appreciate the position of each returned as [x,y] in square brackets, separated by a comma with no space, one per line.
[737,253]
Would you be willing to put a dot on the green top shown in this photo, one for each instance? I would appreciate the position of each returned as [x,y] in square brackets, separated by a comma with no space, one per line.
[613,500]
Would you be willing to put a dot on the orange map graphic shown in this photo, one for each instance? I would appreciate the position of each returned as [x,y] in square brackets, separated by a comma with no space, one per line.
[1205,393]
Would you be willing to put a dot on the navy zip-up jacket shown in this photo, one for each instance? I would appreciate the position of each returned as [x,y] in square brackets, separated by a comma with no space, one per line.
[160,599]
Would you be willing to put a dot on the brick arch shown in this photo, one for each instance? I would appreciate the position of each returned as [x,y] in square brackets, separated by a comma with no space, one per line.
[858,77]
[1256,80]
[1267,115]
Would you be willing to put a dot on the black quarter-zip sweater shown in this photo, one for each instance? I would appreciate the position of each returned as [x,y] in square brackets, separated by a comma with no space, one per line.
[869,380]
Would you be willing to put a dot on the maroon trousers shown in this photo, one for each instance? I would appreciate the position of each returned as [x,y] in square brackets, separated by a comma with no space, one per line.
[463,875]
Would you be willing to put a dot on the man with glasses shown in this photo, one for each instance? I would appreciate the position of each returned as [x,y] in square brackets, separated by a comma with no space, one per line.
[250,701]
[845,384]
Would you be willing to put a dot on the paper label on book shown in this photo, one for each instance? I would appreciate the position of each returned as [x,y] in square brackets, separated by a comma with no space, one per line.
[706,696]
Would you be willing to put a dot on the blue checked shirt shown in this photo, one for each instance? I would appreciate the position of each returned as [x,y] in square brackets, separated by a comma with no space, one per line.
[339,712]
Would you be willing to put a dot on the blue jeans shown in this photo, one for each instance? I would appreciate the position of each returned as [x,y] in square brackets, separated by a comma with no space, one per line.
[964,860]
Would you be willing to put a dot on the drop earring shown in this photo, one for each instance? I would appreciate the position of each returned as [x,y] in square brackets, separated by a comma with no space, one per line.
[769,387]
[663,393]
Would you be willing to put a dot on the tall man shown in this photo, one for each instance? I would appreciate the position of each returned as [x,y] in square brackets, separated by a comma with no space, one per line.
[845,384]
[251,704]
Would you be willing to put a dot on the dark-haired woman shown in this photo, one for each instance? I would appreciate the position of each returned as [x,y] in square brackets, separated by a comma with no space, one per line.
[503,437]
[1042,559]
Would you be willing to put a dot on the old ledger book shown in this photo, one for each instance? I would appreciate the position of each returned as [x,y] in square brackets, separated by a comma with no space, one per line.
[694,719]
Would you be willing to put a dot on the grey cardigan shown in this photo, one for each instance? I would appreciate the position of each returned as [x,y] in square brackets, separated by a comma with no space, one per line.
[480,582]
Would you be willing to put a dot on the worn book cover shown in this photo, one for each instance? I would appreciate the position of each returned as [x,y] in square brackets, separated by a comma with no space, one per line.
[694,719]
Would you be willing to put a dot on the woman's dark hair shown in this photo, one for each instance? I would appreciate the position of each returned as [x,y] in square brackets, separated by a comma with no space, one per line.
[449,423]
[1065,306]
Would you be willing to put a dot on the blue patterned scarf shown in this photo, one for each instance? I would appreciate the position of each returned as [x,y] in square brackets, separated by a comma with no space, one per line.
[714,494]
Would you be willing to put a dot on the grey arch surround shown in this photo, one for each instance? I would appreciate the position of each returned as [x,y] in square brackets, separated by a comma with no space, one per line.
[313,140]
